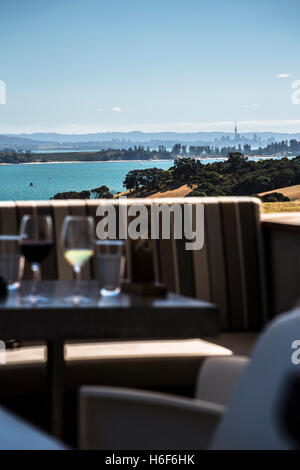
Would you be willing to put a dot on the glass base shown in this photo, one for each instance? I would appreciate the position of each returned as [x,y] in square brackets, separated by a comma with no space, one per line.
[13,286]
[110,292]
[35,299]
[77,300]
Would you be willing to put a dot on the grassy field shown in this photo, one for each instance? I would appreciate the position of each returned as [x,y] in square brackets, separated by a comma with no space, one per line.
[293,192]
[268,207]
[290,206]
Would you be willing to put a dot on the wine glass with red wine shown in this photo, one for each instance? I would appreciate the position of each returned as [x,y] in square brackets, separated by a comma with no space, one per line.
[36,241]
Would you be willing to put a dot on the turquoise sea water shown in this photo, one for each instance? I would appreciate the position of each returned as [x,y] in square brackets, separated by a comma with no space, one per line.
[51,178]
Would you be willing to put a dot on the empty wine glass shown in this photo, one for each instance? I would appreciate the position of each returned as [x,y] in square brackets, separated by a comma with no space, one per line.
[78,247]
[36,240]
[11,260]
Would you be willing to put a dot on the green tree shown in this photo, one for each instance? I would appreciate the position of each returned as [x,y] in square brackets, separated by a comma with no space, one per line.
[101,193]
[236,160]
[132,180]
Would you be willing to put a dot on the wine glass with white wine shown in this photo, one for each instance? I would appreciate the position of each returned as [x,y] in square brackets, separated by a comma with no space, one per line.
[78,247]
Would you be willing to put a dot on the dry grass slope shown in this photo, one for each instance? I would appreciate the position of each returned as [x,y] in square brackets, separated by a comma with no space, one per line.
[292,192]
[181,191]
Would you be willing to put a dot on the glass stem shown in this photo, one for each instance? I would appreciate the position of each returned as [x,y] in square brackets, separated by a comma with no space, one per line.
[35,267]
[77,271]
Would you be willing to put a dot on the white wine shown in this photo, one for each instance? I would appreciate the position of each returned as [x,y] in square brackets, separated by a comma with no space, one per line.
[78,257]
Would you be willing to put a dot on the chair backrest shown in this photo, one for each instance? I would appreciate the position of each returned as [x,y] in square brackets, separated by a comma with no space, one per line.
[228,270]
[123,419]
[255,416]
[218,378]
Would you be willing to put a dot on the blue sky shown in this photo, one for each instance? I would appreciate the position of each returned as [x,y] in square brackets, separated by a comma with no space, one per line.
[92,65]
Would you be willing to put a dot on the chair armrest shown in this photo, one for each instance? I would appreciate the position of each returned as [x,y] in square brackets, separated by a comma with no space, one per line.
[117,418]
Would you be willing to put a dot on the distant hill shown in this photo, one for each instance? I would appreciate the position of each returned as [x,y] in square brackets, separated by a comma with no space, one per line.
[292,192]
[9,141]
[138,136]
[36,142]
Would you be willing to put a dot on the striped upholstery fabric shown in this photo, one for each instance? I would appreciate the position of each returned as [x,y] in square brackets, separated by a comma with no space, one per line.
[228,270]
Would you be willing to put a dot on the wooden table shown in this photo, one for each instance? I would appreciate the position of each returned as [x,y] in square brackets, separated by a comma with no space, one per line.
[123,317]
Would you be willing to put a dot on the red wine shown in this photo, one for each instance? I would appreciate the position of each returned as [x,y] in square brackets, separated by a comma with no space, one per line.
[35,251]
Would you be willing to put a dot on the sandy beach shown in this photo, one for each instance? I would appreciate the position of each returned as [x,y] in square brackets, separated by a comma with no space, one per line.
[90,161]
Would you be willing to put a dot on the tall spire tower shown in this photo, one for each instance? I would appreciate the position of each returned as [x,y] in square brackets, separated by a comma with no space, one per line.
[235,132]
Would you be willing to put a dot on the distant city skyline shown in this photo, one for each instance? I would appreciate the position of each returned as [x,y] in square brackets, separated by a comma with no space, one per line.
[288,126]
[183,66]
